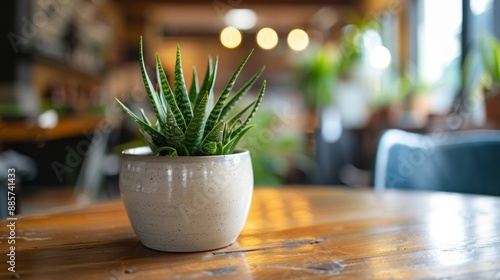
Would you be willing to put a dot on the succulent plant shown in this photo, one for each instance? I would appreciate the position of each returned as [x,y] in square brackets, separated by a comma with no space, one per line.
[185,124]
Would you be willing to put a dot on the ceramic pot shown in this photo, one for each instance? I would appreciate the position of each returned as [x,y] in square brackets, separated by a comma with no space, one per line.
[186,204]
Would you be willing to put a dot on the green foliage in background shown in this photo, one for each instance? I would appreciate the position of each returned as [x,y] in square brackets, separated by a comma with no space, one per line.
[490,53]
[318,74]
[320,69]
[277,150]
[185,124]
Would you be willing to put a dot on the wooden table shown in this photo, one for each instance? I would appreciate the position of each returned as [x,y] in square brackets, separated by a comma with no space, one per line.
[291,233]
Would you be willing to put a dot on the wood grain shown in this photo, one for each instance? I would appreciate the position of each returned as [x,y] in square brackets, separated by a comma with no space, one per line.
[292,233]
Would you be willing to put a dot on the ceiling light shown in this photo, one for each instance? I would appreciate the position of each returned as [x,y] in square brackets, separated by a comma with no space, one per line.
[297,40]
[230,37]
[242,19]
[267,38]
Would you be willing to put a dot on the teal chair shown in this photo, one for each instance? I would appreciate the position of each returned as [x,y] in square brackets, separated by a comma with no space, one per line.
[459,161]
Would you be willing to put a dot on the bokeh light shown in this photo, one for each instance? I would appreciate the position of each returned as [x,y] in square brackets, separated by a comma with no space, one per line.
[380,57]
[267,38]
[230,37]
[298,40]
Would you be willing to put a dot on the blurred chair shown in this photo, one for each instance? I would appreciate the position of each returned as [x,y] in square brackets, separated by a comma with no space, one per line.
[99,164]
[460,161]
[25,168]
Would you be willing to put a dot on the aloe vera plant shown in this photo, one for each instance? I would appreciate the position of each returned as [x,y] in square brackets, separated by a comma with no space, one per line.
[185,124]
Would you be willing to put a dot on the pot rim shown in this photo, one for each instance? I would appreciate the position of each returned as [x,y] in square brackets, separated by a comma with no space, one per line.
[145,151]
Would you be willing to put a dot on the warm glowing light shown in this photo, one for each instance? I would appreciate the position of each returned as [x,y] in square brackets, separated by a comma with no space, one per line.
[230,37]
[242,19]
[267,38]
[48,119]
[380,57]
[298,40]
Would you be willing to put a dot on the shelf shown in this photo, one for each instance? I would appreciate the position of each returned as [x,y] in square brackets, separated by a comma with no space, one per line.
[25,131]
[67,69]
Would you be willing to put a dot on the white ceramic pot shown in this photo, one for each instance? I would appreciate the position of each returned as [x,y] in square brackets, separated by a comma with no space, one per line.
[186,204]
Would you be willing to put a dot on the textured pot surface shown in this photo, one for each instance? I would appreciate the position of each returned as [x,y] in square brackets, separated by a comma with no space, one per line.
[186,204]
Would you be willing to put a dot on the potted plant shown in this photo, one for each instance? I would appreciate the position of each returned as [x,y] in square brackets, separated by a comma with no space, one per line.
[490,52]
[191,189]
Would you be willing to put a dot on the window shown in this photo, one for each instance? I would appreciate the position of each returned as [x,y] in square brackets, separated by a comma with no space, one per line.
[439,50]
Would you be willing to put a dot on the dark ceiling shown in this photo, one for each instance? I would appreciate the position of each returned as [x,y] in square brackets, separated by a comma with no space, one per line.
[204,18]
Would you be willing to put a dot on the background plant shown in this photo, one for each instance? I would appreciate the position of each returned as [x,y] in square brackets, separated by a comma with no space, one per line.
[185,125]
[322,67]
[490,51]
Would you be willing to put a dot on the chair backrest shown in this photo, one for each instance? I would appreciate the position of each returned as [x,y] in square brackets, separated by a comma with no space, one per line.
[460,161]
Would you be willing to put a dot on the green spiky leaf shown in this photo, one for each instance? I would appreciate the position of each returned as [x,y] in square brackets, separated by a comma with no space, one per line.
[153,97]
[206,82]
[240,93]
[194,131]
[215,135]
[181,95]
[208,87]
[214,116]
[184,125]
[149,140]
[238,115]
[167,94]
[194,89]
[173,133]
[231,145]
[208,149]
[231,126]
[156,136]
[254,110]
[158,151]
[184,151]
[144,117]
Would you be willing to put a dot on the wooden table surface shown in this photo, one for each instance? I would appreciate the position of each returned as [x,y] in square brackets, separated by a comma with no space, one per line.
[291,233]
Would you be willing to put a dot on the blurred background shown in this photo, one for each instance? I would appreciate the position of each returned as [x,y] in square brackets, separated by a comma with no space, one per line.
[339,73]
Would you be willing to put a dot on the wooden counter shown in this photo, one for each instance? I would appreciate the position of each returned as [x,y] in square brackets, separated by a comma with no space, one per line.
[291,233]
